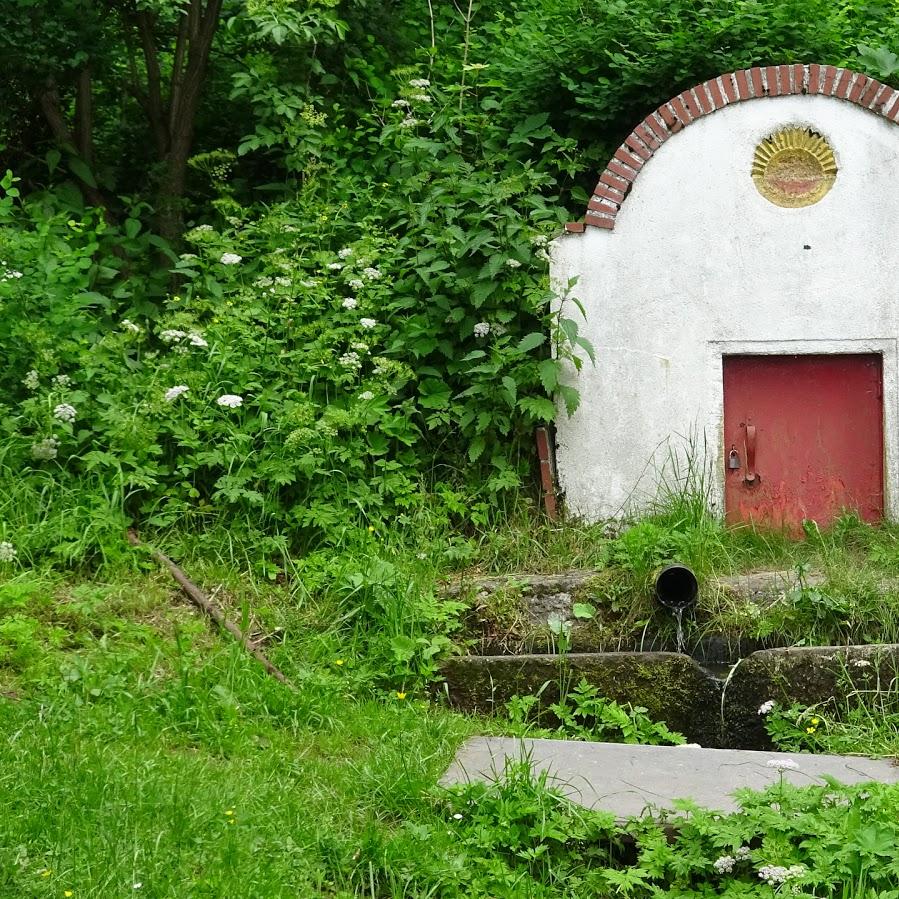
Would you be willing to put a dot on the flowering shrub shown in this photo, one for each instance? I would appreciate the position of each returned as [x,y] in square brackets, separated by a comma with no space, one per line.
[316,357]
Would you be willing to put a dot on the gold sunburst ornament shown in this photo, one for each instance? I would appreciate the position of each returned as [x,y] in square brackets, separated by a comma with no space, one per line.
[794,167]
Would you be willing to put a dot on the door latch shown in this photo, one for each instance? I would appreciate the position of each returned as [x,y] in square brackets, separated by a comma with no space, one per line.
[751,477]
[733,459]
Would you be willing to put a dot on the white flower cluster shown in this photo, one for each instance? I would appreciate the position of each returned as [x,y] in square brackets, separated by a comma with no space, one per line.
[335,266]
[861,663]
[187,257]
[350,360]
[175,336]
[767,707]
[129,325]
[420,83]
[349,303]
[345,252]
[409,122]
[231,259]
[725,864]
[422,98]
[7,551]
[371,273]
[11,274]
[368,323]
[513,263]
[283,281]
[357,284]
[61,381]
[231,400]
[46,449]
[782,765]
[174,392]
[366,395]
[64,412]
[400,104]
[777,874]
[32,380]
[199,233]
[481,329]
[359,347]
[264,281]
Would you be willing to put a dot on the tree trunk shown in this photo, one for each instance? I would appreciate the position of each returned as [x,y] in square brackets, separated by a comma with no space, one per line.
[196,32]
[170,195]
[74,143]
[84,116]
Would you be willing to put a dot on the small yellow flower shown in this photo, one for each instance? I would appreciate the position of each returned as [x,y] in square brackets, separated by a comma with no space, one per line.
[810,730]
[229,811]
[46,872]
[816,721]
[338,662]
[230,820]
[400,695]
[68,893]
[371,529]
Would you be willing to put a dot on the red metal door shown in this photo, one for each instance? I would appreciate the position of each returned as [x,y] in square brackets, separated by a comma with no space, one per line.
[806,433]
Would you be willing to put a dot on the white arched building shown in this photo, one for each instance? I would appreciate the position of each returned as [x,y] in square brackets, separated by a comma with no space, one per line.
[738,264]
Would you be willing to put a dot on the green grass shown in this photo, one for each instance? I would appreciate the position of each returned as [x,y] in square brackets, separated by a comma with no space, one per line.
[132,730]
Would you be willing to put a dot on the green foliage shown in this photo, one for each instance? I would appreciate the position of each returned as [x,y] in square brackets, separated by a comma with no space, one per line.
[519,837]
[368,336]
[116,684]
[582,714]
[867,719]
[347,383]
[602,67]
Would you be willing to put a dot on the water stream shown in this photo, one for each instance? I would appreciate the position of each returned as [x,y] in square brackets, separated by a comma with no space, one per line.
[679,618]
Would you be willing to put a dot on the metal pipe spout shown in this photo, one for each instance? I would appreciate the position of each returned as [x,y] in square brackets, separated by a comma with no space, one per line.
[676,587]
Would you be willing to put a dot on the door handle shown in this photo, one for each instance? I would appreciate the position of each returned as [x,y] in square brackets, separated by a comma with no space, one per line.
[751,476]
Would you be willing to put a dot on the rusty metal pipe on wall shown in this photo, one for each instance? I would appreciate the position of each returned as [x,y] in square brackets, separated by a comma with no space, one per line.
[676,587]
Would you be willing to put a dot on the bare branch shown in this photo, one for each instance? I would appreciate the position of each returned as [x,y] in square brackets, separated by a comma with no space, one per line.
[206,605]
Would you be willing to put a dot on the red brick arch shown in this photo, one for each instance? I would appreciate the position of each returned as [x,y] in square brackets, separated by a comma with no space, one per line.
[735,87]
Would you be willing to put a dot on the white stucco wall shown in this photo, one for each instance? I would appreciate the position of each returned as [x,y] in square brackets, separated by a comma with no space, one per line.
[700,265]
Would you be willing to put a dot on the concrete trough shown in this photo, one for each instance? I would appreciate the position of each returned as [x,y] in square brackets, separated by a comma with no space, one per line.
[714,709]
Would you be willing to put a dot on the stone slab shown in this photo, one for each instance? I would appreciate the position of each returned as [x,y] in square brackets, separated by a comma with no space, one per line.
[632,780]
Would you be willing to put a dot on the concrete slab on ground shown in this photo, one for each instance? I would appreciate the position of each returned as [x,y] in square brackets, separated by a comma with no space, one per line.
[631,780]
